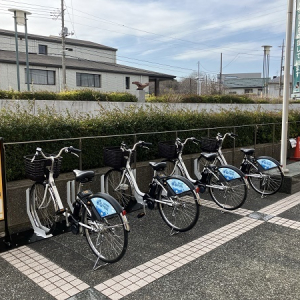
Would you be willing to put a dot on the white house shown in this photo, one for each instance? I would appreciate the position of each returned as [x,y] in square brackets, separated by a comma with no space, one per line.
[274,86]
[88,65]
[243,83]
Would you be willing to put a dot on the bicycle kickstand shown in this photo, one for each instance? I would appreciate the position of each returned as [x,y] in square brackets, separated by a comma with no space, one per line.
[95,267]
[173,232]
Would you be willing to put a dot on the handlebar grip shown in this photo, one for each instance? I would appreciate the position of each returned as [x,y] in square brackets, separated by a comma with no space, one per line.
[71,149]
[234,135]
[146,144]
[196,140]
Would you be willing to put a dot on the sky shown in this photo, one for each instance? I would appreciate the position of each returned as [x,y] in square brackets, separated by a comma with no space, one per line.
[176,37]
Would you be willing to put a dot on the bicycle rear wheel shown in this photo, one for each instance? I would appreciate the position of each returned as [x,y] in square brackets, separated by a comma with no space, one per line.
[180,212]
[266,182]
[43,208]
[120,190]
[108,238]
[228,194]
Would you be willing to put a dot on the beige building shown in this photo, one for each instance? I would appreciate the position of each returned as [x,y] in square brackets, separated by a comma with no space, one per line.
[88,65]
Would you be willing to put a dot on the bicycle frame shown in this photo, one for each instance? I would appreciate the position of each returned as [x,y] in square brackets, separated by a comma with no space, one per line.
[55,197]
[181,165]
[138,194]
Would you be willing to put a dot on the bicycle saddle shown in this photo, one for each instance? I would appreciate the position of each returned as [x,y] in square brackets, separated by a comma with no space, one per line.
[158,166]
[83,176]
[249,151]
[209,156]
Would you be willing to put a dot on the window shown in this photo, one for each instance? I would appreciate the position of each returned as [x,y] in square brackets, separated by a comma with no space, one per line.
[43,49]
[232,93]
[88,80]
[45,77]
[248,91]
[127,83]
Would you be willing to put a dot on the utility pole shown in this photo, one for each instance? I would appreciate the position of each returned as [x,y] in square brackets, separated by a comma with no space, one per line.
[63,44]
[286,86]
[198,80]
[220,82]
[281,64]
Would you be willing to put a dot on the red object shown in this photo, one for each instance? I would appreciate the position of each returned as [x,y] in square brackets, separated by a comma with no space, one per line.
[297,149]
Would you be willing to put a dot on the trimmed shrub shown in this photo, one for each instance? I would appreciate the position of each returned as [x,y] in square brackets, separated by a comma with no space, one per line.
[21,126]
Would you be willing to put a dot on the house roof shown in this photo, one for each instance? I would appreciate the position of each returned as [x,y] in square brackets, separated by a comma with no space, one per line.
[244,83]
[78,64]
[56,39]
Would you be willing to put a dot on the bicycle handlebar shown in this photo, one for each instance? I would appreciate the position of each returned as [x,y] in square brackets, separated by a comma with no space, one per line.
[193,139]
[231,134]
[70,149]
[142,144]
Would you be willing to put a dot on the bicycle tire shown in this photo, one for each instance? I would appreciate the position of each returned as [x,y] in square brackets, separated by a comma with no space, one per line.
[228,194]
[266,182]
[112,179]
[170,169]
[183,214]
[43,212]
[109,239]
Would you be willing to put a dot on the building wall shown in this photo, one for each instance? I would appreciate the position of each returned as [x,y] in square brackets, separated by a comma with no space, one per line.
[93,54]
[241,91]
[110,82]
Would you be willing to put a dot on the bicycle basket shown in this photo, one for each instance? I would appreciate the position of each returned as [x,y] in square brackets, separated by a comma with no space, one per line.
[167,149]
[37,170]
[209,145]
[116,158]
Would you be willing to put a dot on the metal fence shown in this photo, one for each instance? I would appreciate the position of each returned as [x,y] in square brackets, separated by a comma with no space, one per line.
[250,135]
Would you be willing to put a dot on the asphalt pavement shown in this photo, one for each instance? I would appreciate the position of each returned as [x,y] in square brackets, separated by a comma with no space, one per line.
[249,253]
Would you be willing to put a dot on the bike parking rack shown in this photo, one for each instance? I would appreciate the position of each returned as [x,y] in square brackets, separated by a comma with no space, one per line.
[38,229]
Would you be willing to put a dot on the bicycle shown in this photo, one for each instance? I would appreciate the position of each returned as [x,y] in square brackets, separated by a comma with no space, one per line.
[264,173]
[226,184]
[175,197]
[98,216]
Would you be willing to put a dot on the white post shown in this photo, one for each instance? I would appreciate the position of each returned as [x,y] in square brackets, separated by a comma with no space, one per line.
[286,86]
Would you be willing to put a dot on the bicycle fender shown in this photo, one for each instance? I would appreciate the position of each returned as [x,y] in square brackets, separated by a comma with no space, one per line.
[106,205]
[178,184]
[267,162]
[229,172]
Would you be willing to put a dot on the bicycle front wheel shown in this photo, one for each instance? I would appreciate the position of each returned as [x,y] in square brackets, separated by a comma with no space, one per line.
[118,187]
[106,236]
[266,182]
[230,194]
[43,208]
[180,212]
[202,163]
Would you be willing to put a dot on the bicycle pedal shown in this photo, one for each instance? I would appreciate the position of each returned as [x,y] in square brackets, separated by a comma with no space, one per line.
[60,211]
[140,215]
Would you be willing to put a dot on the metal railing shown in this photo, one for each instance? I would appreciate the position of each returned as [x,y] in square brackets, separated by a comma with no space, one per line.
[270,131]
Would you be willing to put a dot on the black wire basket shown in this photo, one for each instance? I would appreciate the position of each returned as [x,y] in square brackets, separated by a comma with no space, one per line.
[38,170]
[209,145]
[167,149]
[115,158]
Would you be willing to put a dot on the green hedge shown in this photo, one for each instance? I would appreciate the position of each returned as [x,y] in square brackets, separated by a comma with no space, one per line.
[173,98]
[21,126]
[82,95]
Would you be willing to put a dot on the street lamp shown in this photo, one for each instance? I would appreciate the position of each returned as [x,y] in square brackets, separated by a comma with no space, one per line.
[20,17]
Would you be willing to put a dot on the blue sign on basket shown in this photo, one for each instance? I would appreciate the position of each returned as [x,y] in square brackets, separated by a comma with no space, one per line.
[178,186]
[229,174]
[103,207]
[266,163]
